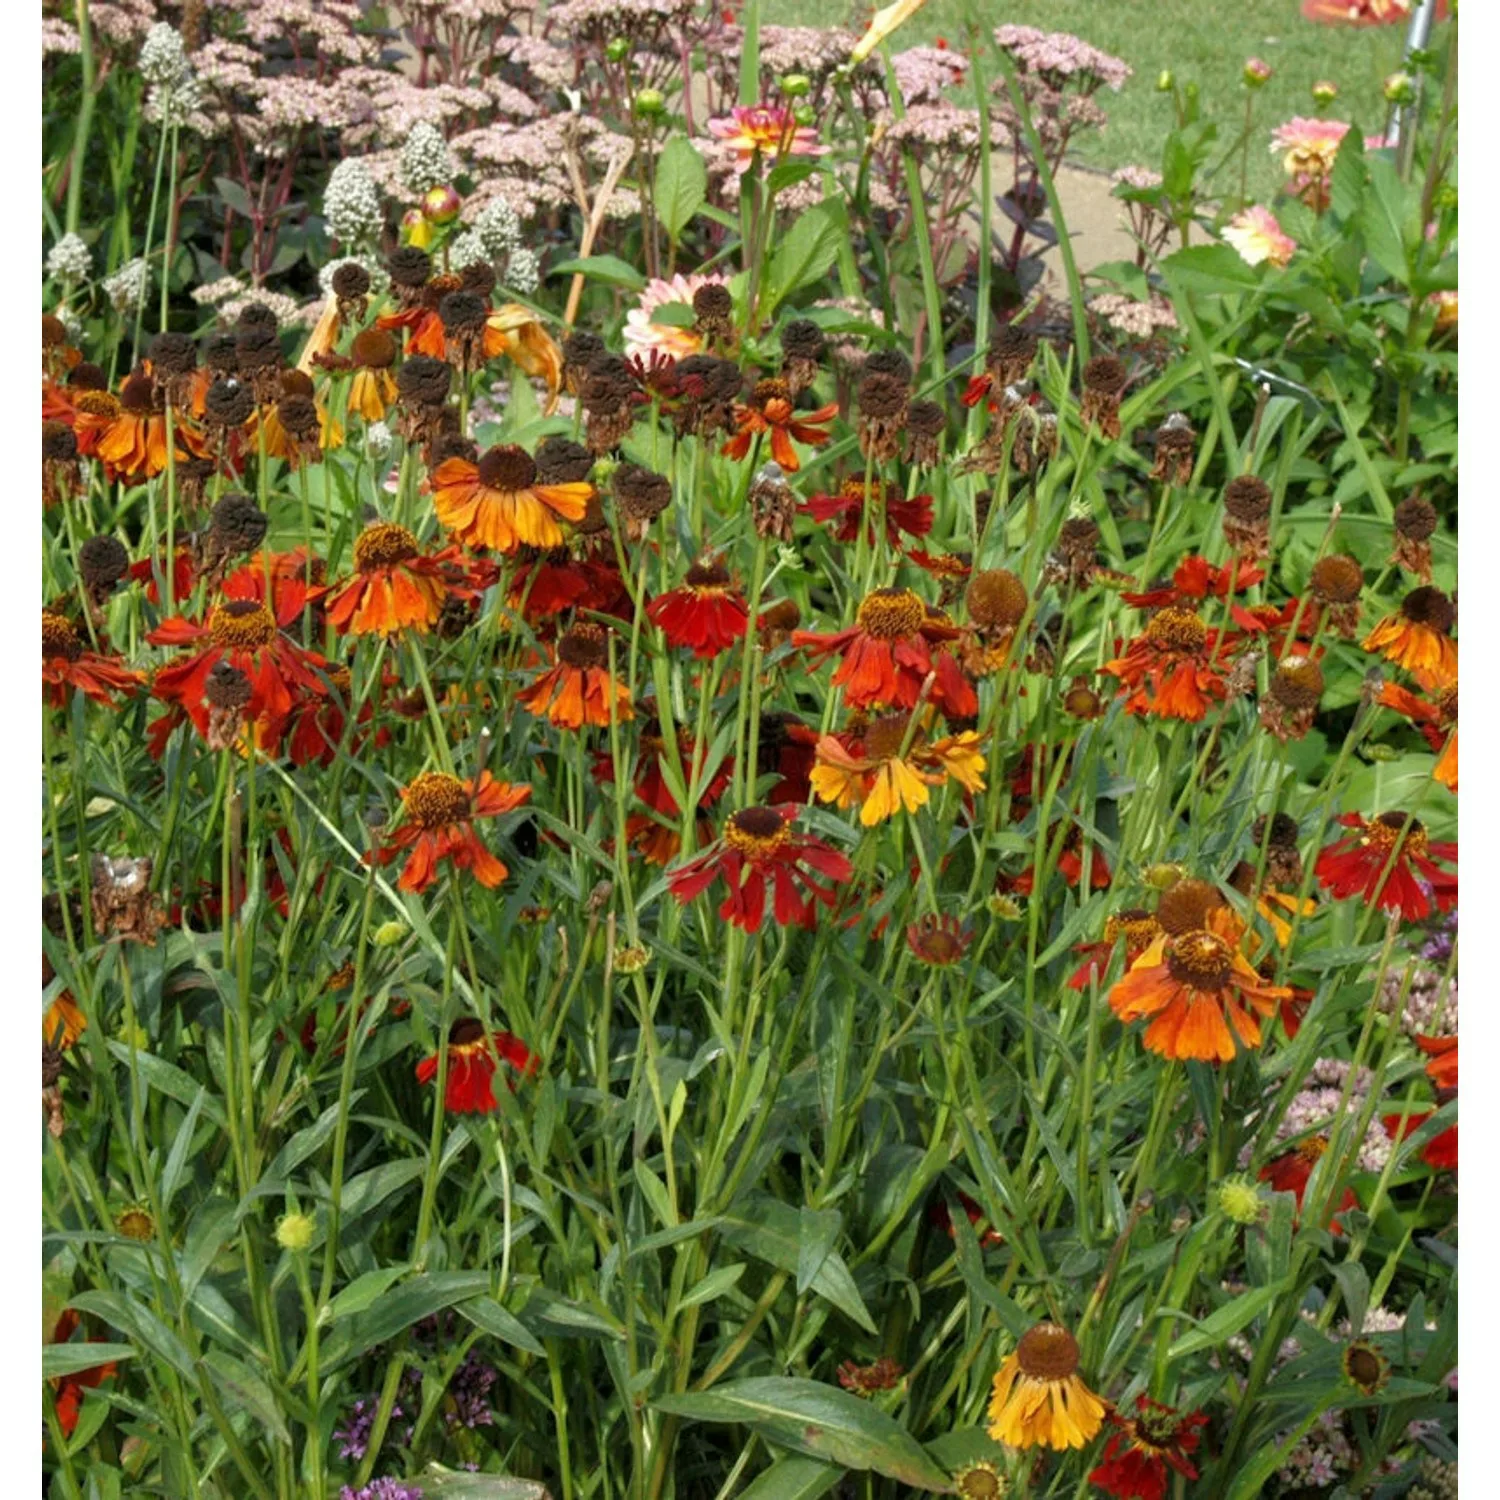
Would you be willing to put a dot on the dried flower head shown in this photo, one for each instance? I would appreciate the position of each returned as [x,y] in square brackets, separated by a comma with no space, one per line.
[1247,514]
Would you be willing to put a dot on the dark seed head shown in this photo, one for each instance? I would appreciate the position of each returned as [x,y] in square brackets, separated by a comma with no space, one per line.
[173,354]
[559,460]
[802,339]
[423,381]
[374,348]
[1104,374]
[462,312]
[351,281]
[103,561]
[479,279]
[59,442]
[228,402]
[409,267]
[888,362]
[236,524]
[1415,518]
[1248,499]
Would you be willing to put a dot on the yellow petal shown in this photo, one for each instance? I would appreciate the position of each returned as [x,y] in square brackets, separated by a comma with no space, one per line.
[882,24]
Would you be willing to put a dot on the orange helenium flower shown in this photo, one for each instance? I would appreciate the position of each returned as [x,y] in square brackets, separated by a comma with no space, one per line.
[497,503]
[394,587]
[1170,668]
[1435,715]
[770,410]
[1417,635]
[1196,986]
[888,654]
[579,689]
[66,665]
[439,825]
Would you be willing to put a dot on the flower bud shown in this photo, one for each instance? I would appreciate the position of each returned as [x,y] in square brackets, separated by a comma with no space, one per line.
[388,934]
[632,958]
[1239,1200]
[1324,92]
[618,49]
[1256,73]
[650,104]
[1399,88]
[804,114]
[294,1232]
[795,85]
[1165,82]
[440,205]
[1162,877]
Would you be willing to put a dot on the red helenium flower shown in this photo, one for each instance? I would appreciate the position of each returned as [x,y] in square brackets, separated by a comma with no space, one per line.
[472,1062]
[1136,1459]
[1390,862]
[706,614]
[68,665]
[758,846]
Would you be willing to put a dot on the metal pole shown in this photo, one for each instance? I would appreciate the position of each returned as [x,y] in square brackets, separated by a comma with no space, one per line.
[1403,118]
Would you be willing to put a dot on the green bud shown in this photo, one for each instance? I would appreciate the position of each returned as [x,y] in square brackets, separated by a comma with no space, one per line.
[631,959]
[795,85]
[294,1232]
[1399,88]
[388,934]
[650,104]
[618,49]
[1382,752]
[1240,1199]
[804,114]
[1165,82]
[1324,92]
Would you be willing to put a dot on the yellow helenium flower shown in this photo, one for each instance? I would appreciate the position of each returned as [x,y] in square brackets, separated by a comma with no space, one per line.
[883,780]
[1038,1400]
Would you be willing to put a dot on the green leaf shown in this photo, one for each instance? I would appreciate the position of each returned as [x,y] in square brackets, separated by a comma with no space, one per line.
[965,1445]
[806,253]
[772,1232]
[817,1233]
[1385,219]
[169,1080]
[655,1192]
[171,1176]
[608,268]
[558,1316]
[1211,268]
[70,1358]
[681,185]
[820,1421]
[362,1292]
[1347,181]
[234,196]
[793,1478]
[451,1484]
[246,1390]
[715,1284]
[486,1313]
[395,1312]
[1218,1326]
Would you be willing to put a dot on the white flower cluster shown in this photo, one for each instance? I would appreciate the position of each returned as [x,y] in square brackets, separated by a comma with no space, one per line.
[163,57]
[378,439]
[174,94]
[69,260]
[128,287]
[351,204]
[523,272]
[425,162]
[498,228]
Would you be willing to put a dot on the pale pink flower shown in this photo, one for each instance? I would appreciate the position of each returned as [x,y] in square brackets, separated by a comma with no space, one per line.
[1309,145]
[642,333]
[765,128]
[1257,236]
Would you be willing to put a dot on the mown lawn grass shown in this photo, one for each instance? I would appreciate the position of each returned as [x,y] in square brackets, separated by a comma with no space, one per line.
[1200,41]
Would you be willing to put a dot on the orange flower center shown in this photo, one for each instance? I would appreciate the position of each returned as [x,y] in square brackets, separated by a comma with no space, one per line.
[241,624]
[435,799]
[757,832]
[891,614]
[1390,829]
[997,599]
[99,404]
[1311,1151]
[1139,928]
[883,739]
[774,398]
[583,647]
[59,638]
[1200,960]
[1177,628]
[1185,906]
[1337,579]
[136,1224]
[1047,1352]
[383,545]
[853,488]
[1297,683]
[507,468]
